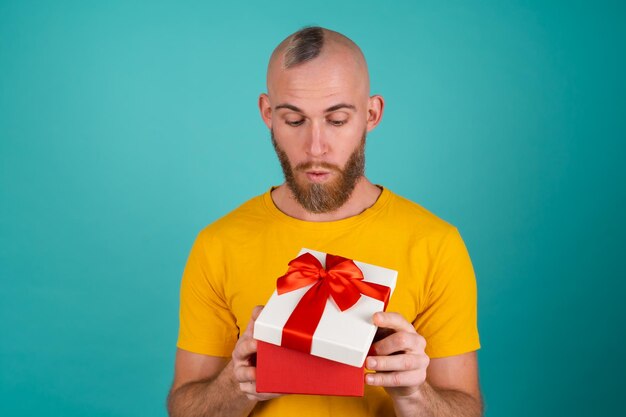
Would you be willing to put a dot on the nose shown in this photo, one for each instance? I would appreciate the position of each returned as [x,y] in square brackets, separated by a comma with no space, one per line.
[317,144]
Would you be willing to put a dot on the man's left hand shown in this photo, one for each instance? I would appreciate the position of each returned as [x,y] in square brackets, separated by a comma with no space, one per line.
[401,362]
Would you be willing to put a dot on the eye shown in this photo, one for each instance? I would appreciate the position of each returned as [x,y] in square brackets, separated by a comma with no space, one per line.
[294,123]
[337,122]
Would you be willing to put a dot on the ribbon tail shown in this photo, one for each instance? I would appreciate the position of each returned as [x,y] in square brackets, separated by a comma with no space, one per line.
[371,289]
[299,329]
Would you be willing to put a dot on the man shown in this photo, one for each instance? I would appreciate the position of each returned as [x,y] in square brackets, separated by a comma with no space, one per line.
[318,110]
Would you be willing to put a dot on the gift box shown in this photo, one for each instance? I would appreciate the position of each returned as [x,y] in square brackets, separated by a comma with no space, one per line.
[316,329]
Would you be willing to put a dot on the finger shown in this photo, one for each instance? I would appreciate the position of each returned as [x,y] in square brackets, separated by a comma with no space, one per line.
[249,388]
[409,342]
[396,379]
[245,374]
[244,349]
[256,311]
[264,396]
[393,321]
[404,362]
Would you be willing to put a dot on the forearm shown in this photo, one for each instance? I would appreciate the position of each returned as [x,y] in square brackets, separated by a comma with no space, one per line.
[432,402]
[219,396]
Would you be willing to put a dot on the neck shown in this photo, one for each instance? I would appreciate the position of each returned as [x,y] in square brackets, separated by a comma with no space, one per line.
[363,197]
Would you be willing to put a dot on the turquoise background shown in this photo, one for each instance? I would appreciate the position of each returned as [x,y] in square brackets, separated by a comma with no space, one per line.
[126,127]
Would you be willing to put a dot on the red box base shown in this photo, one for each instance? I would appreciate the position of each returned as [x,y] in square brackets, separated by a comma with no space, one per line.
[288,371]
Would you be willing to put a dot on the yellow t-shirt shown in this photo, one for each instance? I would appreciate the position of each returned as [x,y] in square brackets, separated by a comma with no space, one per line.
[234,263]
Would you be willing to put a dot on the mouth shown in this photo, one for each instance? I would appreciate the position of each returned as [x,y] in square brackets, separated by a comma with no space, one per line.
[317,175]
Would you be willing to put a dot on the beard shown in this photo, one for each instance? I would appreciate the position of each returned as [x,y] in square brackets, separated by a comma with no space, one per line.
[327,197]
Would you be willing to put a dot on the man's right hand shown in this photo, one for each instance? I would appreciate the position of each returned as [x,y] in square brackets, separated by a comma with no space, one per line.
[244,362]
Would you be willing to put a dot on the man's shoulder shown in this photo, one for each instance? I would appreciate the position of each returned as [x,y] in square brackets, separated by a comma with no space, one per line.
[410,214]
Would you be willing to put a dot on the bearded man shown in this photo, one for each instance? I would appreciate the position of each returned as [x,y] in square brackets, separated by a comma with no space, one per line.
[318,109]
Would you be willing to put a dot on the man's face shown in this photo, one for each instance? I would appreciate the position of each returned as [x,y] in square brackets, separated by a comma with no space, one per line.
[322,196]
[317,113]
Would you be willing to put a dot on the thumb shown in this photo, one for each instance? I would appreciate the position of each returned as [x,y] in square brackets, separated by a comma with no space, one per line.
[256,311]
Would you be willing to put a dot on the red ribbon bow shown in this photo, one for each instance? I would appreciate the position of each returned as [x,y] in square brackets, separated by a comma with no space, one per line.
[342,280]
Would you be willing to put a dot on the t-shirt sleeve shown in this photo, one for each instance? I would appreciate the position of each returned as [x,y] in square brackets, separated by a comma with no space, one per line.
[448,320]
[207,325]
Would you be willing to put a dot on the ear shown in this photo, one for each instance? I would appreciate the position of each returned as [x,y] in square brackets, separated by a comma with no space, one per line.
[376,105]
[266,110]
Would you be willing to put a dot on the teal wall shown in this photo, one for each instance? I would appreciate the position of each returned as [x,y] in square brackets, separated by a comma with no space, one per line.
[126,127]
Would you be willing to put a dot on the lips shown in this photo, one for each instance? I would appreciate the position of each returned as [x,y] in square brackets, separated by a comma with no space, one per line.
[317,172]
[317,175]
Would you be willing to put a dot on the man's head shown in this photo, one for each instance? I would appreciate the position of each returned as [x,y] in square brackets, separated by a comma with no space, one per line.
[318,111]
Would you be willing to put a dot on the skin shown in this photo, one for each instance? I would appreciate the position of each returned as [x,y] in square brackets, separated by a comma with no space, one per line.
[318,112]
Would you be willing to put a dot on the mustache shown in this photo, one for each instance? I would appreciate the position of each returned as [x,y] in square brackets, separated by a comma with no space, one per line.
[305,166]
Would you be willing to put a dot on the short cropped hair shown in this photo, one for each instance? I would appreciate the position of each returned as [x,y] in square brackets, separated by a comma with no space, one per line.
[303,46]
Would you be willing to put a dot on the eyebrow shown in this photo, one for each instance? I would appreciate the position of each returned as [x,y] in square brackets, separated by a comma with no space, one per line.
[328,110]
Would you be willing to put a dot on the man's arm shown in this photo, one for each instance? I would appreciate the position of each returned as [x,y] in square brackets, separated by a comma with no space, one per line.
[210,385]
[418,386]
[205,385]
